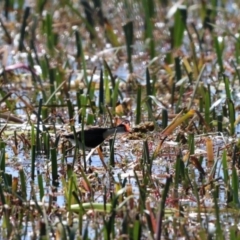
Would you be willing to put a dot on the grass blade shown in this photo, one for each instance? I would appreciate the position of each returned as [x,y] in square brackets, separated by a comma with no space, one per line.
[33,152]
[40,186]
[207,107]
[219,47]
[128,30]
[101,93]
[54,166]
[235,187]
[23,27]
[162,208]
[2,156]
[23,184]
[164,118]
[180,18]
[149,92]
[138,108]
[115,95]
[80,54]
[89,13]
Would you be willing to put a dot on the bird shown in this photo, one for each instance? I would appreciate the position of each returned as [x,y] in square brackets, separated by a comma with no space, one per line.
[96,135]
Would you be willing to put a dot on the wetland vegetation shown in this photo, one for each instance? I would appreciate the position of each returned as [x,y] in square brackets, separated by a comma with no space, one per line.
[170,68]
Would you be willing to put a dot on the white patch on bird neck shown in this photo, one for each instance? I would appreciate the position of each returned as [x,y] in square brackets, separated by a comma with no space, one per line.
[109,132]
[112,131]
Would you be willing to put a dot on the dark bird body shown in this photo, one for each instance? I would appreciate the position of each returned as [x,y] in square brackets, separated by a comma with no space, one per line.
[95,136]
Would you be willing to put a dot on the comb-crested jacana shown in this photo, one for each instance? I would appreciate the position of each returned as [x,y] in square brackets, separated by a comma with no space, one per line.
[96,135]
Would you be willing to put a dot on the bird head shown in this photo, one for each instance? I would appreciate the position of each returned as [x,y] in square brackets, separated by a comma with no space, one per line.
[126,125]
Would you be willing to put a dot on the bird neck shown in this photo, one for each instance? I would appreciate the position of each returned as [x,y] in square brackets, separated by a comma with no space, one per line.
[111,131]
